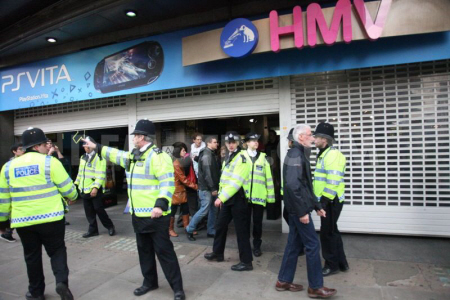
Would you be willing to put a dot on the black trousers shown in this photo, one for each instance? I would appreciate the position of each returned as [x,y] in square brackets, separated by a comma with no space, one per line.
[184,209]
[239,212]
[93,207]
[51,236]
[256,211]
[330,237]
[158,242]
[192,197]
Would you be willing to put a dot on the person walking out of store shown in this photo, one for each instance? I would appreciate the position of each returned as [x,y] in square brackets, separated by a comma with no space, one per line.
[300,201]
[329,188]
[234,205]
[91,181]
[208,183]
[150,178]
[179,198]
[31,191]
[259,189]
[7,235]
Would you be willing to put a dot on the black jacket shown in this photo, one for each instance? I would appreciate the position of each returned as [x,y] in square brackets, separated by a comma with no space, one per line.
[208,171]
[297,183]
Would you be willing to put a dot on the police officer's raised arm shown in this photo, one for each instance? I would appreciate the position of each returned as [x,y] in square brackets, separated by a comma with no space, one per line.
[113,155]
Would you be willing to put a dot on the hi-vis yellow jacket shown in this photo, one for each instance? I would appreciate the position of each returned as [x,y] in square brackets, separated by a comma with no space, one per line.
[234,174]
[31,190]
[259,187]
[149,177]
[91,174]
[329,175]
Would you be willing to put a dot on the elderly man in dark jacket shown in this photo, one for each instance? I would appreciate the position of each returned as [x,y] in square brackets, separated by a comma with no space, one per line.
[300,202]
[208,186]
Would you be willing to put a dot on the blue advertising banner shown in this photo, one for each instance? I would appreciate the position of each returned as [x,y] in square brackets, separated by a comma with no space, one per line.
[155,63]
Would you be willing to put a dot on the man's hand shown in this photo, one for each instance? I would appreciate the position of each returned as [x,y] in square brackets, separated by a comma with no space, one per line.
[94,192]
[51,151]
[305,219]
[321,213]
[214,193]
[70,202]
[218,203]
[89,143]
[156,212]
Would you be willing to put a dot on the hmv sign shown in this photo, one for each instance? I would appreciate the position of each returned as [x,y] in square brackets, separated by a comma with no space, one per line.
[240,37]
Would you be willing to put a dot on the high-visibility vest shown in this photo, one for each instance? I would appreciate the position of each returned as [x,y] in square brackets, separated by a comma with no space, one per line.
[259,187]
[329,175]
[148,178]
[91,174]
[234,174]
[31,190]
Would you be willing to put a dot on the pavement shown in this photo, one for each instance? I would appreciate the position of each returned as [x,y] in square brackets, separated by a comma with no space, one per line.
[104,267]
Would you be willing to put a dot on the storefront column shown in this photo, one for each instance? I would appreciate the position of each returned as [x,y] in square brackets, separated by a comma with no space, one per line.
[6,135]
[132,117]
[285,125]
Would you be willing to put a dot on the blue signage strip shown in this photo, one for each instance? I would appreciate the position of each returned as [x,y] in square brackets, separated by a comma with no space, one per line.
[155,63]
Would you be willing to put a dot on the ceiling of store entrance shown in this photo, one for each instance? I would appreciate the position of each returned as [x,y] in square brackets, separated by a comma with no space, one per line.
[83,24]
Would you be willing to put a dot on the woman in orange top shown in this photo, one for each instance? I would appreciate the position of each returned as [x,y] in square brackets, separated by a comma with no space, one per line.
[179,198]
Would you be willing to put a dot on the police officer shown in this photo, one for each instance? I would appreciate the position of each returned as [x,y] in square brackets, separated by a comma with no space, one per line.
[150,177]
[329,189]
[233,203]
[32,188]
[259,188]
[91,181]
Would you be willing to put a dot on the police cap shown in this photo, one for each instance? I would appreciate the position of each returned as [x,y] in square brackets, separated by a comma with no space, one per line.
[251,136]
[32,137]
[144,127]
[232,136]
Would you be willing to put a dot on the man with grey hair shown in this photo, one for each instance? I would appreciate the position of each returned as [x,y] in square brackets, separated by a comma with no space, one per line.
[300,202]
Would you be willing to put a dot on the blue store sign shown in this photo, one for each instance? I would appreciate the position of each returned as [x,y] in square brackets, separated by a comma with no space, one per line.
[239,38]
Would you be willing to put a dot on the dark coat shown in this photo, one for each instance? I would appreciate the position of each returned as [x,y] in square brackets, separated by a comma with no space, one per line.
[208,171]
[298,191]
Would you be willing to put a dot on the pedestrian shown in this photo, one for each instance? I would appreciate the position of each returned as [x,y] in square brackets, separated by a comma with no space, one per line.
[7,235]
[197,145]
[91,182]
[208,184]
[329,188]
[179,198]
[259,190]
[31,190]
[149,172]
[234,206]
[300,201]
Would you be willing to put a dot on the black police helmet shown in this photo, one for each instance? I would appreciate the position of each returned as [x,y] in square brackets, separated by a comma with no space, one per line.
[325,130]
[251,136]
[290,136]
[144,127]
[32,137]
[232,136]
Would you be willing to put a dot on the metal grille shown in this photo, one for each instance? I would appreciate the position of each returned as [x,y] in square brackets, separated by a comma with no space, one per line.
[392,124]
[230,87]
[69,107]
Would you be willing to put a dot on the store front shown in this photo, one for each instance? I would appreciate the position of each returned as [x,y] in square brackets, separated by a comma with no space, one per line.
[388,100]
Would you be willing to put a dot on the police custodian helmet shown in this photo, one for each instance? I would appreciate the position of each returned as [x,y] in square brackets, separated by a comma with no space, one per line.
[251,136]
[232,136]
[144,127]
[32,137]
[325,130]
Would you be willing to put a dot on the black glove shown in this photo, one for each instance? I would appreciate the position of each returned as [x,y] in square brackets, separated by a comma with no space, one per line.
[162,203]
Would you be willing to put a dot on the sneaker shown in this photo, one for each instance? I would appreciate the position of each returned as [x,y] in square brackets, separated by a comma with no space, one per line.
[8,238]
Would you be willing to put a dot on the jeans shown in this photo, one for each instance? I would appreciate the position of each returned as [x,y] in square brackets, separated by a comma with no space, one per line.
[298,233]
[205,203]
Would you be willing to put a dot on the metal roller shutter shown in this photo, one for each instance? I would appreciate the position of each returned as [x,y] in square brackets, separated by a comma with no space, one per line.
[392,124]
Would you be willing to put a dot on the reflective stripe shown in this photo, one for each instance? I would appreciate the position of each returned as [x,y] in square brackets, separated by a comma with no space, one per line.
[5,200]
[141,176]
[4,190]
[68,192]
[143,209]
[271,197]
[335,182]
[225,194]
[320,178]
[35,197]
[167,183]
[163,193]
[32,188]
[259,173]
[232,175]
[143,187]
[329,191]
[165,176]
[148,161]
[318,199]
[7,171]
[119,157]
[4,214]
[47,168]
[37,217]
[342,198]
[270,187]
[232,183]
[124,160]
[332,172]
[65,182]
[95,172]
[258,200]
[108,153]
[259,181]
